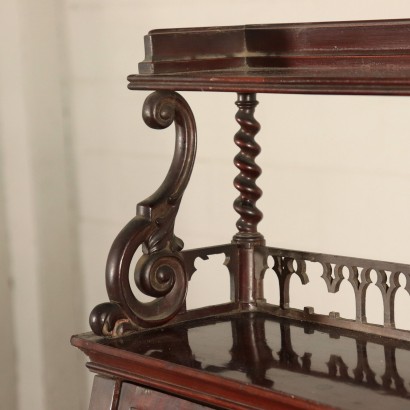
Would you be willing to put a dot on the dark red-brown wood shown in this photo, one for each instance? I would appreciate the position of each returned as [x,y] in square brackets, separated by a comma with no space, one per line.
[363,57]
[241,362]
[348,50]
[145,357]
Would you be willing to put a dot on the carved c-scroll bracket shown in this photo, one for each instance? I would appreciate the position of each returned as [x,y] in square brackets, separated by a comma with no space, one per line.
[160,272]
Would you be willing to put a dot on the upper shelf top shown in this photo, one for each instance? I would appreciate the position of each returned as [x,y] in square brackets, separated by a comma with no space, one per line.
[357,57]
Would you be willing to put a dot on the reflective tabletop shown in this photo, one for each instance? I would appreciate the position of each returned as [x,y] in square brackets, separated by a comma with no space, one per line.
[335,367]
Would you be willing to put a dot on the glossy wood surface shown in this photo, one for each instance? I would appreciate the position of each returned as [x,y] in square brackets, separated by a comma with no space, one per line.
[254,360]
[363,57]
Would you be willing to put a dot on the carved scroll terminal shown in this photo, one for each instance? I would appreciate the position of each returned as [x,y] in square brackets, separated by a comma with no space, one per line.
[160,272]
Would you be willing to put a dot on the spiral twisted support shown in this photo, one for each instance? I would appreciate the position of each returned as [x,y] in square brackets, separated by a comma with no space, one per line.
[160,272]
[249,262]
[245,182]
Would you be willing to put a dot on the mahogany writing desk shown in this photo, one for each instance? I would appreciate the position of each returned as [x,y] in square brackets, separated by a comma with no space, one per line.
[247,354]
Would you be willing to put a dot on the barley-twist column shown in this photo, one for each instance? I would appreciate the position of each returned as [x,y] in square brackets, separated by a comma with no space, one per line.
[245,182]
[250,260]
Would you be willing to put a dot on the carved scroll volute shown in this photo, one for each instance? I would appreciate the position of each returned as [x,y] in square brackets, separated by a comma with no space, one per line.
[160,271]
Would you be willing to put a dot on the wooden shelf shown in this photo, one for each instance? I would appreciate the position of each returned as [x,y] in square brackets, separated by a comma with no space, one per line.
[256,361]
[368,57]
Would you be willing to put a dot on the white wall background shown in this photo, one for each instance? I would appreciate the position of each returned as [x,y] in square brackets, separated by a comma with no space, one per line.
[74,155]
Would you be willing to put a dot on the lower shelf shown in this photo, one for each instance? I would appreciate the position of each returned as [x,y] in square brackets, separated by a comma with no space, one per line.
[255,360]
